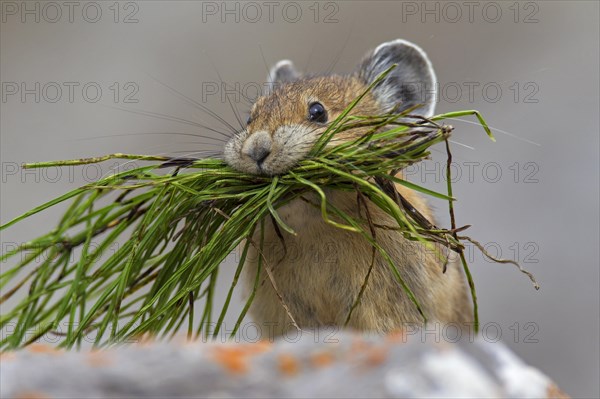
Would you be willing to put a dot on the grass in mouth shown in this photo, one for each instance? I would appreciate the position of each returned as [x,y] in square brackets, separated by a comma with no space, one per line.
[176,229]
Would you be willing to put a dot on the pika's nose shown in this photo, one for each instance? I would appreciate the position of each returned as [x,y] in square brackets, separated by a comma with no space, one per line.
[258,146]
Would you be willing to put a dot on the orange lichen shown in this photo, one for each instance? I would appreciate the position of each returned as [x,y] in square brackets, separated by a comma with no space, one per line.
[98,359]
[41,348]
[397,336]
[359,345]
[375,357]
[555,392]
[288,364]
[4,356]
[235,357]
[232,358]
[31,395]
[258,347]
[321,359]
[144,339]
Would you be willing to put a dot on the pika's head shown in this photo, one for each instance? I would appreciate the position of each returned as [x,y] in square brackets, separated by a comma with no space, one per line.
[295,111]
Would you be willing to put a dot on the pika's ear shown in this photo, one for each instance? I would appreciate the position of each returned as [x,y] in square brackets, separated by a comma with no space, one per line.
[282,72]
[412,82]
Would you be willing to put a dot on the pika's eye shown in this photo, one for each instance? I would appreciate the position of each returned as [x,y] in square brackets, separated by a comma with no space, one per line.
[248,120]
[317,113]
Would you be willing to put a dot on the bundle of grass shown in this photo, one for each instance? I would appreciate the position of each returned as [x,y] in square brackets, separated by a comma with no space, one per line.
[178,227]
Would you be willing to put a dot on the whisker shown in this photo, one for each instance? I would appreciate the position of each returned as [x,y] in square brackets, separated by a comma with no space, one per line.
[500,131]
[235,113]
[204,154]
[197,104]
[461,144]
[147,133]
[249,101]
[114,168]
[169,118]
[185,160]
[262,55]
[338,55]
[200,143]
[195,152]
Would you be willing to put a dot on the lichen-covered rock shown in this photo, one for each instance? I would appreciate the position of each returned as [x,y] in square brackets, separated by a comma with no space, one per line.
[349,366]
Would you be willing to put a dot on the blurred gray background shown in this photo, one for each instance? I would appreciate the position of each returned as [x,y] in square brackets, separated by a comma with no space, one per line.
[531,68]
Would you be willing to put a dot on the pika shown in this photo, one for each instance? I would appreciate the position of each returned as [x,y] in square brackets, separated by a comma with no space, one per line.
[323,267]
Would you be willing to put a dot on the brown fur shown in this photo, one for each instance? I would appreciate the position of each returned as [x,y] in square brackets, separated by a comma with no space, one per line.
[287,104]
[321,274]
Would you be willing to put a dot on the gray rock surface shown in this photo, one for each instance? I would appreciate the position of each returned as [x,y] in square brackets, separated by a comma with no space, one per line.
[348,366]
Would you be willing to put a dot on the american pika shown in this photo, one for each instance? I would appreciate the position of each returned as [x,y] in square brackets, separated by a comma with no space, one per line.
[324,267]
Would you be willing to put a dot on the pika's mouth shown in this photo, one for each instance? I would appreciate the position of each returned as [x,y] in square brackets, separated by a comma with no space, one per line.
[261,153]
